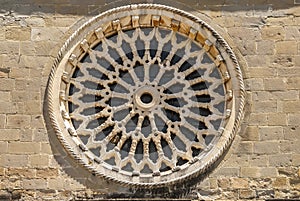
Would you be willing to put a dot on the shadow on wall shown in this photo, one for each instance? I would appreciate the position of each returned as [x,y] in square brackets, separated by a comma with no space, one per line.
[92,7]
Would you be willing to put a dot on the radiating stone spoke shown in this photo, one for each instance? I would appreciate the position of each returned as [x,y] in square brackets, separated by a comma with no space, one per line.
[143,107]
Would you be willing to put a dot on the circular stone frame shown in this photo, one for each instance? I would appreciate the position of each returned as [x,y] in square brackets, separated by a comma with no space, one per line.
[133,17]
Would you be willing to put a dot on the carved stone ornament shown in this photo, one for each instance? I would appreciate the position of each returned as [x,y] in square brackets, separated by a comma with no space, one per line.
[146,95]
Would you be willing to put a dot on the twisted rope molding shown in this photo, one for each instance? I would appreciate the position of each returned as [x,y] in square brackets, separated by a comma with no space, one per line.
[90,25]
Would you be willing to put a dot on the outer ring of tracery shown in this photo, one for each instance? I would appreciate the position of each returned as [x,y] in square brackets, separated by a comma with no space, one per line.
[110,22]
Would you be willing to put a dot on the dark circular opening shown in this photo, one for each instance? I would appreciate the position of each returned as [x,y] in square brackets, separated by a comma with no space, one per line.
[146,98]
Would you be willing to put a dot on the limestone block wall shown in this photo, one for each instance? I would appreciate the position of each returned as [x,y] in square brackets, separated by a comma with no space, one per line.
[262,163]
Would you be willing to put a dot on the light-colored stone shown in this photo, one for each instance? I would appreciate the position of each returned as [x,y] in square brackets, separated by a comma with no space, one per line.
[47,173]
[262,72]
[258,119]
[2,122]
[265,47]
[39,160]
[280,160]
[254,84]
[290,146]
[291,106]
[291,133]
[7,84]
[9,47]
[5,96]
[13,160]
[251,134]
[286,47]
[247,194]
[268,172]
[228,172]
[282,60]
[3,147]
[46,33]
[46,148]
[261,164]
[24,147]
[18,121]
[296,161]
[280,182]
[8,108]
[256,60]
[55,184]
[288,72]
[237,160]
[245,148]
[27,48]
[293,119]
[16,33]
[35,21]
[258,161]
[10,134]
[33,107]
[21,172]
[34,184]
[266,147]
[239,183]
[224,183]
[286,95]
[273,33]
[250,172]
[270,133]
[264,106]
[274,84]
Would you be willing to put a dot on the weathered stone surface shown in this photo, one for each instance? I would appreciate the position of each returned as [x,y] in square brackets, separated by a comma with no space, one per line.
[21,172]
[39,161]
[10,134]
[280,160]
[266,147]
[24,147]
[239,183]
[251,134]
[247,194]
[244,148]
[250,172]
[47,173]
[293,119]
[286,47]
[257,119]
[268,172]
[273,33]
[13,160]
[18,121]
[265,106]
[34,184]
[228,172]
[270,133]
[262,163]
[265,47]
[280,182]
[274,84]
[3,147]
[6,84]
[258,161]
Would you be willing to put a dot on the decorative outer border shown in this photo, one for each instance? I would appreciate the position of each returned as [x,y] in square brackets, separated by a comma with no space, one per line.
[76,37]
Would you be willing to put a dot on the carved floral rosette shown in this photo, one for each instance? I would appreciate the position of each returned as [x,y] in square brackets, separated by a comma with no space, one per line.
[146,95]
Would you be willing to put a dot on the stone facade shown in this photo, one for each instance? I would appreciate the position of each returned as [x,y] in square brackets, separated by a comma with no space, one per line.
[262,163]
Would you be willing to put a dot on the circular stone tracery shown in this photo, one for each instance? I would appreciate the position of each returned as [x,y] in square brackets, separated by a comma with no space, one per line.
[146,99]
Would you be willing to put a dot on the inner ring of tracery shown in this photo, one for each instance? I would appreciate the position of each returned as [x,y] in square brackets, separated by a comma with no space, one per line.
[146,101]
[145,95]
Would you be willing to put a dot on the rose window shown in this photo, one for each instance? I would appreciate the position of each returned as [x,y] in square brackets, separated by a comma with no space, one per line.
[145,95]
